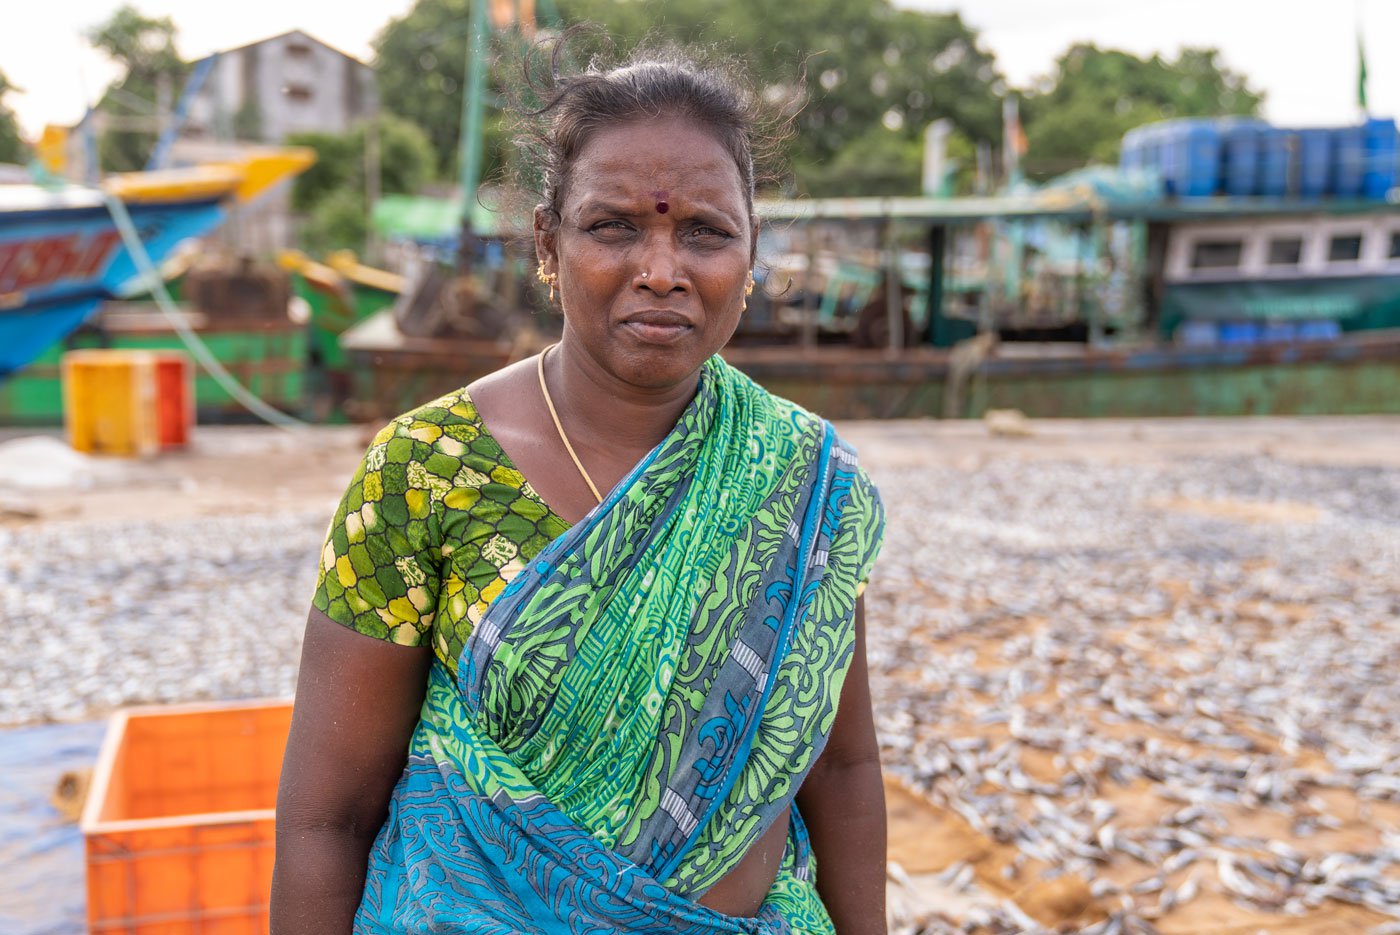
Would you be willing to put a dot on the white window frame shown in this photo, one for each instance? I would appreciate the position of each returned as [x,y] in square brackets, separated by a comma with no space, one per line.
[1316,233]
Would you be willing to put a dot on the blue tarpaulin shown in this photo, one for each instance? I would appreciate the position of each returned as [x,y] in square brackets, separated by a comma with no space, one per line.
[41,854]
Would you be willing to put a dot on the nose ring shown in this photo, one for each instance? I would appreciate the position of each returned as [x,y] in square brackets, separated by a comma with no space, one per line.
[646,276]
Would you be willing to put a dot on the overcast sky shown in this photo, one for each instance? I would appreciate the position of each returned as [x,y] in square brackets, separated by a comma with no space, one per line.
[1302,52]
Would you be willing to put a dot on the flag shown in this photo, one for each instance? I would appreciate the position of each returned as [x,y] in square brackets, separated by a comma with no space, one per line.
[1014,143]
[52,149]
[1361,74]
[507,13]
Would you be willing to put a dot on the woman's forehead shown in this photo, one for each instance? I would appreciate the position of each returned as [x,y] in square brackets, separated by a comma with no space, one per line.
[639,158]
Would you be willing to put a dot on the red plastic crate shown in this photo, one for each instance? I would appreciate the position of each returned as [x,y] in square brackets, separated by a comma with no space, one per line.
[174,398]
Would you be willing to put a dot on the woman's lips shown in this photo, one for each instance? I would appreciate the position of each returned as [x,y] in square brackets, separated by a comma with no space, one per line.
[658,327]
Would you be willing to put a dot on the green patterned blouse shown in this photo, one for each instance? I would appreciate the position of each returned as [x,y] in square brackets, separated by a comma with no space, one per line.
[437,521]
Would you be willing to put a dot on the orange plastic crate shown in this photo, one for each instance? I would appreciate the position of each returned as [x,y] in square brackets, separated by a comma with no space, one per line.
[179,821]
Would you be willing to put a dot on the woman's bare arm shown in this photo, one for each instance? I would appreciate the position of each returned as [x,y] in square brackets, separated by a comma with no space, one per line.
[843,804]
[357,704]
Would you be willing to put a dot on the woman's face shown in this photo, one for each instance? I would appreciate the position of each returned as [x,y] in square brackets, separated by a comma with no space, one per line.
[653,250]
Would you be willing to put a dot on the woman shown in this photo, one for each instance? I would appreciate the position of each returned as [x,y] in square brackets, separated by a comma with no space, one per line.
[586,653]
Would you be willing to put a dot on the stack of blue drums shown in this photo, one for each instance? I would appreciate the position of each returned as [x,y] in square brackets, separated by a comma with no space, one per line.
[1244,158]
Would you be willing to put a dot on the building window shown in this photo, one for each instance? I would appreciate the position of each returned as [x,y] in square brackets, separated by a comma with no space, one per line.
[1285,251]
[1395,246]
[298,92]
[298,50]
[1344,248]
[1217,254]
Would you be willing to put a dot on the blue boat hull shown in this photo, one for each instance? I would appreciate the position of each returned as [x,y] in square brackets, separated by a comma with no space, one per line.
[58,264]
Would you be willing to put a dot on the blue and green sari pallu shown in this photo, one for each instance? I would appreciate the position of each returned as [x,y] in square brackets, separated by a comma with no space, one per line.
[644,698]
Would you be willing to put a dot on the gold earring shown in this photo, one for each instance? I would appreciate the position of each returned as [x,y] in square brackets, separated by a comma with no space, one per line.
[748,288]
[548,279]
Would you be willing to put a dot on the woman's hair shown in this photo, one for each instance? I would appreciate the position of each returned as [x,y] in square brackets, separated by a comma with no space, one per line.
[656,81]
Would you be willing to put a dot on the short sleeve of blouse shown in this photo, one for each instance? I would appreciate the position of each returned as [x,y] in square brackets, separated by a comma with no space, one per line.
[862,530]
[859,536]
[380,567]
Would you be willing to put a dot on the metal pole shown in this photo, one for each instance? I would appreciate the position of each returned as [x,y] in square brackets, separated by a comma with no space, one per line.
[894,304]
[809,295]
[937,252]
[470,144]
[373,181]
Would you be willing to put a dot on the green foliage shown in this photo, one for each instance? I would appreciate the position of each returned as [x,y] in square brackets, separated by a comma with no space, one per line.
[325,191]
[879,163]
[12,146]
[340,161]
[1080,113]
[145,47]
[420,66]
[854,67]
[405,156]
[340,221]
[867,76]
[863,77]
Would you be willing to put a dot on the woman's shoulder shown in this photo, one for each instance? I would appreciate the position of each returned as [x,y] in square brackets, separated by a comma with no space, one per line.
[800,421]
[452,416]
[768,407]
[441,446]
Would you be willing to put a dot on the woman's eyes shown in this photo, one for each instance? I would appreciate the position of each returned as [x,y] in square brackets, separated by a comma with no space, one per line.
[710,233]
[613,228]
[702,233]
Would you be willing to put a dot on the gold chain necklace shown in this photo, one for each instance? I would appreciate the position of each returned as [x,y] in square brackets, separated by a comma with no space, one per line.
[544,388]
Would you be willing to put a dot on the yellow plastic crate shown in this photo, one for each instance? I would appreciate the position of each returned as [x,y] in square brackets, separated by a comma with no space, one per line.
[109,402]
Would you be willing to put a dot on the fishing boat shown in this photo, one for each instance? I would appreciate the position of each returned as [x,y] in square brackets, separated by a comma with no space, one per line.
[339,294]
[62,254]
[1157,306]
[1088,298]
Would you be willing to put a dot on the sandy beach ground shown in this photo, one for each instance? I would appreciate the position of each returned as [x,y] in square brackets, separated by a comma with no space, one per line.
[1130,676]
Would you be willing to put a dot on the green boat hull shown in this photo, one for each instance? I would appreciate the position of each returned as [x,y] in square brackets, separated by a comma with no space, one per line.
[267,358]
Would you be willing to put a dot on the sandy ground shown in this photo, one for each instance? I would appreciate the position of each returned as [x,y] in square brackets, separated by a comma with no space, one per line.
[233,469]
[240,470]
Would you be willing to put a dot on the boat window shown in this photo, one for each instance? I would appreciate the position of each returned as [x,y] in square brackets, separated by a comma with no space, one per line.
[1217,254]
[1345,248]
[1285,251]
[1395,246]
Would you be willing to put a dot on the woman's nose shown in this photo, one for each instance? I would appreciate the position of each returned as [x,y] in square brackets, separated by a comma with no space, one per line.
[660,269]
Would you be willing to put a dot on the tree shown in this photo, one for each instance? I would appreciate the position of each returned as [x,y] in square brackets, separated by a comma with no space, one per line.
[338,222]
[420,66]
[1080,113]
[12,148]
[851,68]
[332,192]
[857,68]
[145,48]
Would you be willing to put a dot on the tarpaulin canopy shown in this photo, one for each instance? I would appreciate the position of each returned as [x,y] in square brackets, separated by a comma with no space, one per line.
[432,220]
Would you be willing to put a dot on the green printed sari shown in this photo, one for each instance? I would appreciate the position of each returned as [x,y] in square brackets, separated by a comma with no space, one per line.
[609,733]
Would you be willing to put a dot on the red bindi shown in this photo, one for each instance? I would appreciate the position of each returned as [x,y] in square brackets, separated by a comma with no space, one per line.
[662,206]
